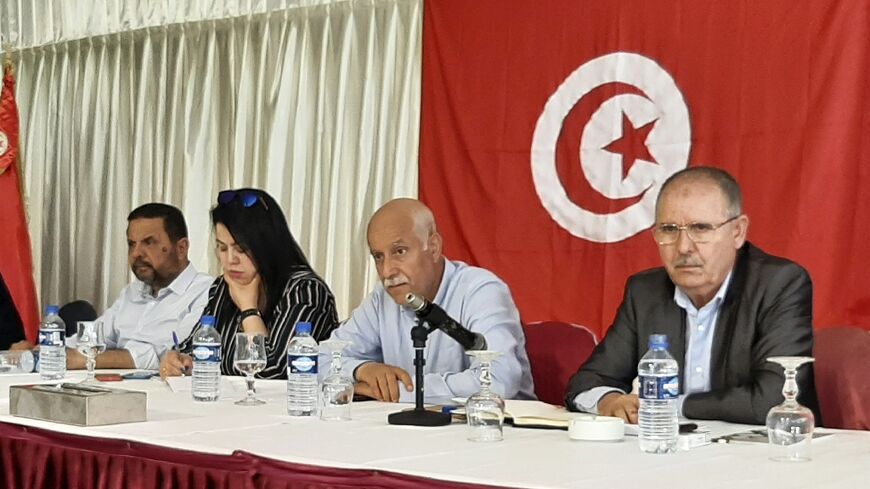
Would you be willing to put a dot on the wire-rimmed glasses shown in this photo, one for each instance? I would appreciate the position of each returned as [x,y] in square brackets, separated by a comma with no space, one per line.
[250,358]
[485,410]
[790,425]
[90,342]
[698,232]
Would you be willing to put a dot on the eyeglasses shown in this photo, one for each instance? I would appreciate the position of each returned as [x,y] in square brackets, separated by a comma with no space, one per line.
[698,232]
[248,199]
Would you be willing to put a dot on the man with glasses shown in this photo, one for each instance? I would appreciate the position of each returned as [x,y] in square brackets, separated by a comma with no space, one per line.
[725,305]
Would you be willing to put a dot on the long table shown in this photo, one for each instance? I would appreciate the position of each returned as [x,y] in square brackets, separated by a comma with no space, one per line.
[189,444]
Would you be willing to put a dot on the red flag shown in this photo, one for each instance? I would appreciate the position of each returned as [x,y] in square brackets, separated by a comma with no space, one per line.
[548,126]
[16,262]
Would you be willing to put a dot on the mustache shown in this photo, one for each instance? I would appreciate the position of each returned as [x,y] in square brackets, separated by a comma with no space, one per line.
[141,263]
[687,261]
[400,279]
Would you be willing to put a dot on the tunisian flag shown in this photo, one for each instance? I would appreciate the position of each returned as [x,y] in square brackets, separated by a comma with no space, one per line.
[16,262]
[548,127]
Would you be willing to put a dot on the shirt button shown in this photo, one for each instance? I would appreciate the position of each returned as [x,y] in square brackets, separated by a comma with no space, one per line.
[698,370]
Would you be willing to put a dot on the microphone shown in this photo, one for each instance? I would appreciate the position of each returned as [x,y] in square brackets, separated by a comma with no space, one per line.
[437,318]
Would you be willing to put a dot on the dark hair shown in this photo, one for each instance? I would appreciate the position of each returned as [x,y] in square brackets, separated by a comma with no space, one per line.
[260,229]
[717,176]
[173,219]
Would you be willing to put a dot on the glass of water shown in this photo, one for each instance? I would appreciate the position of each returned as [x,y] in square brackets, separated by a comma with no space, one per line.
[790,425]
[250,358]
[336,391]
[90,343]
[485,410]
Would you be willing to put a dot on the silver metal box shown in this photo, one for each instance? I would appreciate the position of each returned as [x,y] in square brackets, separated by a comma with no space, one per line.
[82,405]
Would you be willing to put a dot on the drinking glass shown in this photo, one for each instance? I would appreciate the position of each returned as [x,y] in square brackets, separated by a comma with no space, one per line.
[336,391]
[485,410]
[90,343]
[250,358]
[790,425]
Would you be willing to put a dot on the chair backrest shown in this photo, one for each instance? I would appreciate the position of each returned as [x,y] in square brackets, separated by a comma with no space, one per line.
[556,351]
[842,385]
[74,312]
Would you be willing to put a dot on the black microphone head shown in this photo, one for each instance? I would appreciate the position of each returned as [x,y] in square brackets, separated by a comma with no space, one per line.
[414,302]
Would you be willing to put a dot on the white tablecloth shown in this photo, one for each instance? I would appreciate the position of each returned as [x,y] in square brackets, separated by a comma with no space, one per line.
[526,458]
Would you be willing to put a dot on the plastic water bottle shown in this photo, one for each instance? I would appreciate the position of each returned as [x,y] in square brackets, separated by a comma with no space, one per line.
[52,345]
[16,362]
[659,375]
[302,372]
[206,361]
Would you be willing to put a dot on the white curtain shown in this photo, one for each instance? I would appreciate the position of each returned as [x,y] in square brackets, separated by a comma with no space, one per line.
[123,103]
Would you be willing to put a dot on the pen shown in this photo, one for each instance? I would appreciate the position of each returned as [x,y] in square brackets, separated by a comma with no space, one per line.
[185,370]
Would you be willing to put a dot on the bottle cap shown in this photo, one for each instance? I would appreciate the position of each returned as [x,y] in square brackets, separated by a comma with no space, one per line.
[658,341]
[303,327]
[207,321]
[51,309]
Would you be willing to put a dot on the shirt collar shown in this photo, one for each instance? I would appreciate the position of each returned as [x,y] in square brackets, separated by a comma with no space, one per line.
[449,268]
[178,286]
[682,299]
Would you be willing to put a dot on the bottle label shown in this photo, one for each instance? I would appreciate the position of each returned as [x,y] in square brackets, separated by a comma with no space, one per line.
[652,387]
[301,364]
[207,353]
[51,337]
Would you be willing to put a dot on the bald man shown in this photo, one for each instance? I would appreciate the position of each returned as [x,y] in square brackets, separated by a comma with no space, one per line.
[406,248]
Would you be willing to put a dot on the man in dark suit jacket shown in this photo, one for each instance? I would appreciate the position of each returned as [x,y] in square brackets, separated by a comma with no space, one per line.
[725,305]
[11,329]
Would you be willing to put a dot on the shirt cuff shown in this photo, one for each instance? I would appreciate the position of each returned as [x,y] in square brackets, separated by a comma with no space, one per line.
[587,401]
[680,400]
[351,365]
[144,356]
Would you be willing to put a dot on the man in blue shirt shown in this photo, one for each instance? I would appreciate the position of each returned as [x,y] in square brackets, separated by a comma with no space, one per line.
[406,249]
[725,305]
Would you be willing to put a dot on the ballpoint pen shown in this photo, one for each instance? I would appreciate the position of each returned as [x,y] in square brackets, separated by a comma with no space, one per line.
[185,370]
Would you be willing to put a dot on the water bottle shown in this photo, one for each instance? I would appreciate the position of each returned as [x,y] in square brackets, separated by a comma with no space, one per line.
[659,376]
[206,361]
[52,345]
[302,372]
[16,362]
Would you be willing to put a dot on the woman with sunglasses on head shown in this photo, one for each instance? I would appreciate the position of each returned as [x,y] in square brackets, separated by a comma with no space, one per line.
[267,285]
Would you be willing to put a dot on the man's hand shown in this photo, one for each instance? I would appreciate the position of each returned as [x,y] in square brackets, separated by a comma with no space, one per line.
[620,405]
[75,360]
[363,389]
[22,345]
[245,296]
[174,364]
[382,381]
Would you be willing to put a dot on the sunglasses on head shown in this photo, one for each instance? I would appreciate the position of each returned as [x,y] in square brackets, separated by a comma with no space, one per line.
[248,199]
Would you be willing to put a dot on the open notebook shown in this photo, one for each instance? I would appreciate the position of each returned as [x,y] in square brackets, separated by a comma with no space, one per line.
[537,414]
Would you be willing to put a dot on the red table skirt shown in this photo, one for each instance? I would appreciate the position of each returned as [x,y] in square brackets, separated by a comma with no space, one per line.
[34,458]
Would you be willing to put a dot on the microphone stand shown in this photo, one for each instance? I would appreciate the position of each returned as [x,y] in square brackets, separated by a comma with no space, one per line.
[419,416]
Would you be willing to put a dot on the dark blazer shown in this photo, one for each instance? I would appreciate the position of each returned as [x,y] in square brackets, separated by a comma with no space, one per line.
[11,329]
[767,311]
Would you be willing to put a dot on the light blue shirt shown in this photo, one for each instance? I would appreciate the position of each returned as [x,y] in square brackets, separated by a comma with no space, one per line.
[700,326]
[380,331]
[143,324]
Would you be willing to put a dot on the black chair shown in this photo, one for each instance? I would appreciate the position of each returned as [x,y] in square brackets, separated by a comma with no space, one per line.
[74,312]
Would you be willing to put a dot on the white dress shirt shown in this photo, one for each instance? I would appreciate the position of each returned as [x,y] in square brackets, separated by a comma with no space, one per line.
[143,324]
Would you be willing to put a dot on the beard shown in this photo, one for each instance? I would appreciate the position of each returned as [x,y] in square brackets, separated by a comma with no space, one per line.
[143,271]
